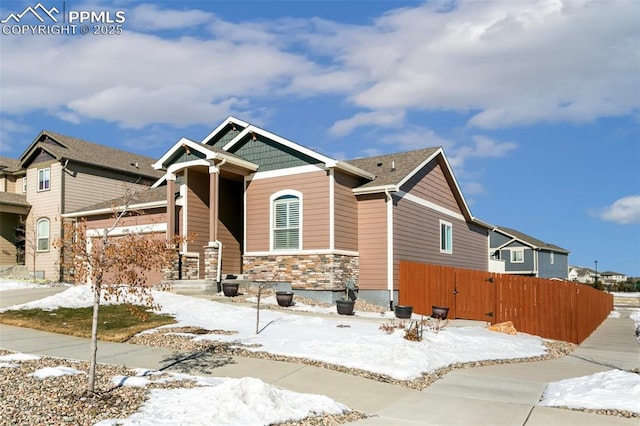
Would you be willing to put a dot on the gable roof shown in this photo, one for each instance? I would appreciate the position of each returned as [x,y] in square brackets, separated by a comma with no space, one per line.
[529,240]
[81,151]
[9,165]
[393,169]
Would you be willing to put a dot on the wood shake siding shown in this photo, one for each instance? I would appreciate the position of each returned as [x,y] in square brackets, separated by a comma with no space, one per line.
[417,238]
[198,213]
[431,184]
[150,217]
[372,241]
[46,204]
[8,223]
[315,201]
[346,213]
[85,186]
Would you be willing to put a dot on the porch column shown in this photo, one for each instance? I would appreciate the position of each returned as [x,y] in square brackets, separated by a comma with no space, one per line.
[214,183]
[171,206]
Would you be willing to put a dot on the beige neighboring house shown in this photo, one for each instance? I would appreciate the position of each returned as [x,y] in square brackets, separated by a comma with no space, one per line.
[265,206]
[13,205]
[54,175]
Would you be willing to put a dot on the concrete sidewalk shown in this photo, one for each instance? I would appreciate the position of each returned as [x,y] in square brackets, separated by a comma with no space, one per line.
[503,394]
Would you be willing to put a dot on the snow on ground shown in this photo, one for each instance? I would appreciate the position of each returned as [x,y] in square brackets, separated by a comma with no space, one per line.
[625,295]
[613,389]
[358,345]
[343,341]
[245,401]
[16,285]
[59,371]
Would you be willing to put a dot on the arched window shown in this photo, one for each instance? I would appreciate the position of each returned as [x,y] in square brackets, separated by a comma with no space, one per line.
[286,222]
[42,231]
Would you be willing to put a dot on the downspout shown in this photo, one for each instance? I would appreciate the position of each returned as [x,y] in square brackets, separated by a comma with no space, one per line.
[389,247]
[219,243]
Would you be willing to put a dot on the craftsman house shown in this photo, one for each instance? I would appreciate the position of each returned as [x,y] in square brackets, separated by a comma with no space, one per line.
[54,175]
[264,206]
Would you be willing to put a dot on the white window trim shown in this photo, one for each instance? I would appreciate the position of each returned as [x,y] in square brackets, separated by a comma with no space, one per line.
[518,250]
[47,169]
[450,226]
[272,199]
[552,258]
[38,237]
[24,185]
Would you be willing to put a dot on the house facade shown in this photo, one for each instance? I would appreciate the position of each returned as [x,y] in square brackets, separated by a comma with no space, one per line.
[269,208]
[54,175]
[13,206]
[525,255]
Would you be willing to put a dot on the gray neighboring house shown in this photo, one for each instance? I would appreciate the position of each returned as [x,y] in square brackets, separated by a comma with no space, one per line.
[523,254]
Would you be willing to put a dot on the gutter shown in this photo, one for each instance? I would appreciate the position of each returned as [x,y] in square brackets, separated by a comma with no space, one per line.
[389,201]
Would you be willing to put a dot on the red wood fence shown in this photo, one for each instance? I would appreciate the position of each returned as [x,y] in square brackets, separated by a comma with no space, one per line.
[548,308]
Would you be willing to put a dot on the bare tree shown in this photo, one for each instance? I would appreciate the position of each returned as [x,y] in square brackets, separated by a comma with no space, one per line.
[263,285]
[27,237]
[109,262]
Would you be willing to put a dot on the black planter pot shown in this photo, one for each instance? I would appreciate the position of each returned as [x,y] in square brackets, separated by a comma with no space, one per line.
[284,298]
[439,312]
[345,307]
[230,289]
[403,312]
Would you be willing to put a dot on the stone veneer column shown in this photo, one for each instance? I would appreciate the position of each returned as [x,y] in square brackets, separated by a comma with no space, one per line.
[210,262]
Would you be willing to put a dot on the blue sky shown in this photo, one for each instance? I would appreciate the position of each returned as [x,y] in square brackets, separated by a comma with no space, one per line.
[536,103]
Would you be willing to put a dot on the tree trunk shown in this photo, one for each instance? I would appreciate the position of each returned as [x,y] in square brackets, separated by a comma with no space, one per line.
[94,340]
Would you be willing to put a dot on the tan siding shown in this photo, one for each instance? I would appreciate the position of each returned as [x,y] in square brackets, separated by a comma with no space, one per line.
[84,186]
[346,213]
[372,242]
[315,201]
[417,238]
[44,204]
[431,184]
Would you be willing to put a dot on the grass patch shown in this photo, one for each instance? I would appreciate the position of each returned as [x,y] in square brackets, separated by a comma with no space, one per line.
[115,322]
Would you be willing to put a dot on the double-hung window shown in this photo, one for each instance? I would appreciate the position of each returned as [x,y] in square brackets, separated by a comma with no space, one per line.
[517,256]
[286,223]
[446,237]
[44,179]
[42,231]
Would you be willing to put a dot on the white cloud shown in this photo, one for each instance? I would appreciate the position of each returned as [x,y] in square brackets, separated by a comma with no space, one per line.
[625,210]
[150,17]
[376,119]
[483,147]
[415,137]
[511,63]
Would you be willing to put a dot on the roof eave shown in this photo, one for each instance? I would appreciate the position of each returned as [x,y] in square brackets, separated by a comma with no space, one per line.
[375,189]
[149,205]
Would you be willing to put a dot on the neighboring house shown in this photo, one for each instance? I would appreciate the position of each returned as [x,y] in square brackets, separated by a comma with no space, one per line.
[13,206]
[265,206]
[59,174]
[525,255]
[610,277]
[582,275]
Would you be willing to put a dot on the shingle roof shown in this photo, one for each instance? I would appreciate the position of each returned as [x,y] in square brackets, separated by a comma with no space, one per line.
[14,199]
[144,196]
[99,155]
[380,166]
[9,165]
[531,240]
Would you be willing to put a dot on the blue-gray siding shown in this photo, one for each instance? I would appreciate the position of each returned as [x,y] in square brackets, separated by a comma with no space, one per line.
[559,268]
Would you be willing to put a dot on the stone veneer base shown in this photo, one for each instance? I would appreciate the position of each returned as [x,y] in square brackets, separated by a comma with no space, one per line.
[303,271]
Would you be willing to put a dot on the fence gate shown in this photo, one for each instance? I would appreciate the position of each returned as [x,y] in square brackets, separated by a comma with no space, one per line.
[474,295]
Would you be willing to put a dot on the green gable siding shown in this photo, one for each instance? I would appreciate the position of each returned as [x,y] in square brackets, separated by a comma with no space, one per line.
[181,156]
[270,155]
[225,136]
